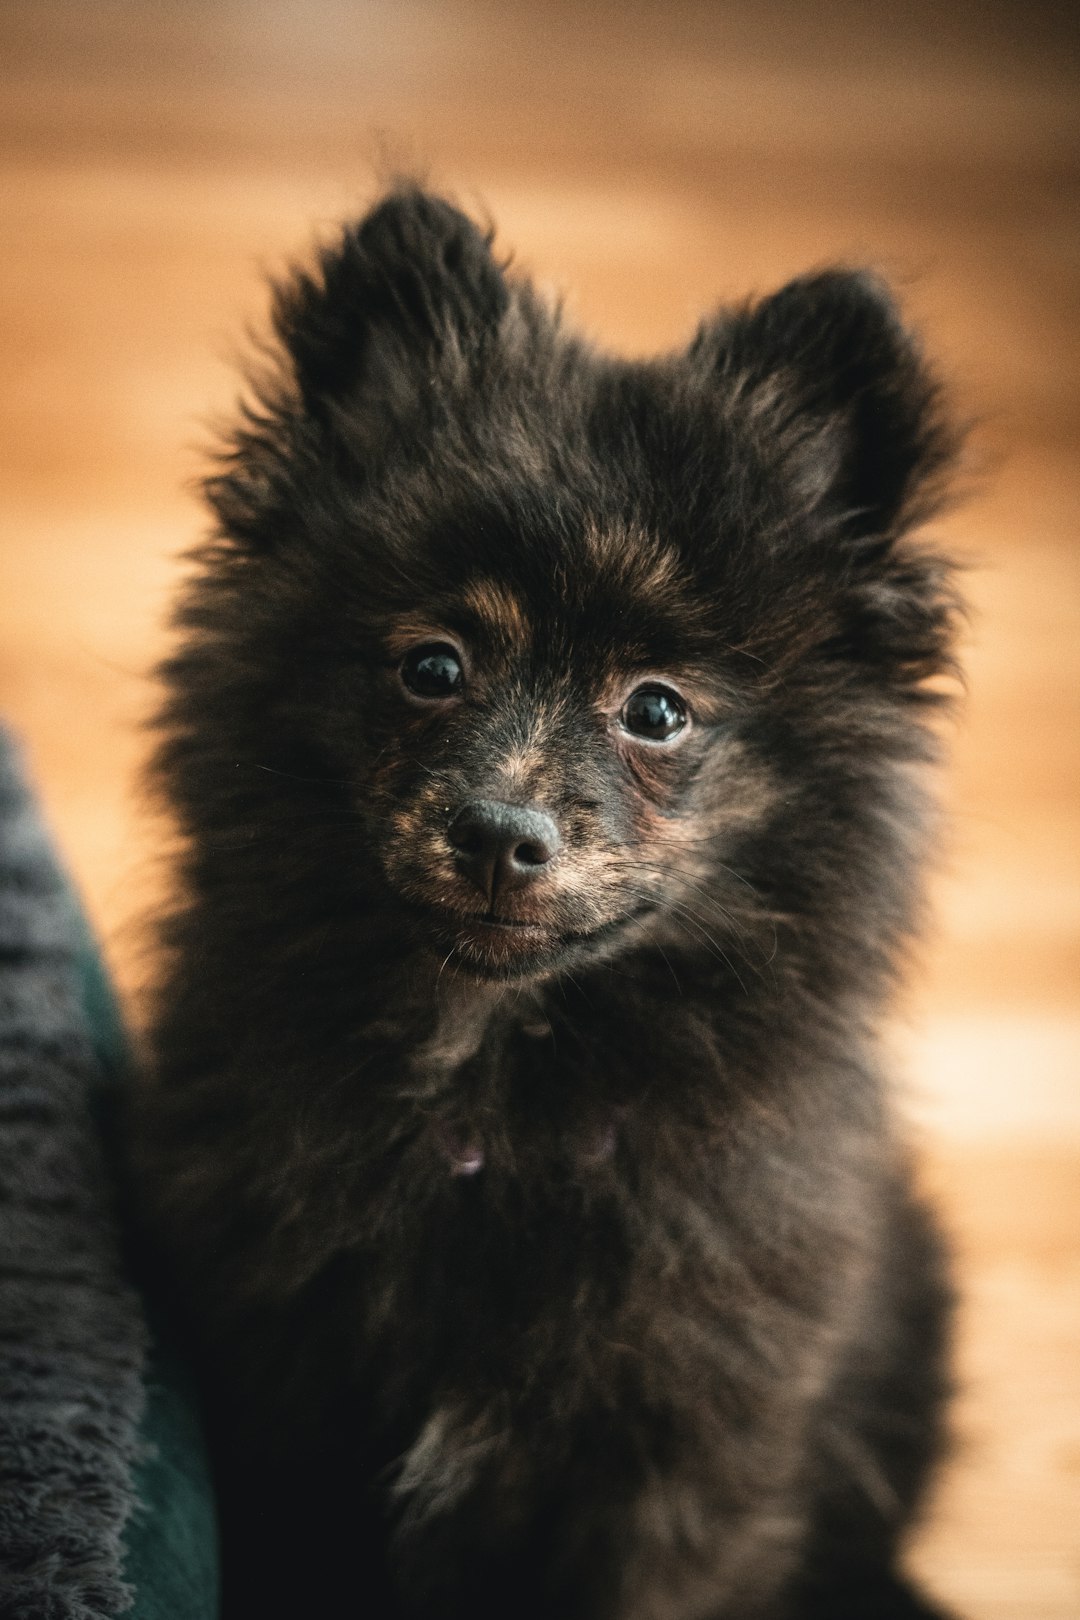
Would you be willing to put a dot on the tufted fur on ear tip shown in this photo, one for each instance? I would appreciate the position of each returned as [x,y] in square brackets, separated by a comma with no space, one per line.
[851,406]
[399,306]
[411,286]
[847,415]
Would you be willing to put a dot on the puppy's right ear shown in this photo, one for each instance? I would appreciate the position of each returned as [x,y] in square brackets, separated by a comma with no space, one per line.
[400,301]
[399,309]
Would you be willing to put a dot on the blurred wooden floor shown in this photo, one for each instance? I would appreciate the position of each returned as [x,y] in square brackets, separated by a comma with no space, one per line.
[651,160]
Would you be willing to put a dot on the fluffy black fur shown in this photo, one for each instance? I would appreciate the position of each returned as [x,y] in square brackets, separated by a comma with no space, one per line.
[549,1247]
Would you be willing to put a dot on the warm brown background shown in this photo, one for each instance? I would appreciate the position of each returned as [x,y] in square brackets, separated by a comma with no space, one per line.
[650,159]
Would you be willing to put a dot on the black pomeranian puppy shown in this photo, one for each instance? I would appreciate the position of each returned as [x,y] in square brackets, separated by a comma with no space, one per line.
[545,734]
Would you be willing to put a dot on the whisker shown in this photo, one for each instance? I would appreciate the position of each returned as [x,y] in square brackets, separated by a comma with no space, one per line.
[723,912]
[688,919]
[442,967]
[326,781]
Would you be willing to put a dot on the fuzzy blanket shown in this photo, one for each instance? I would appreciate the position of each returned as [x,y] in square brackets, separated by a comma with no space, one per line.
[73,1340]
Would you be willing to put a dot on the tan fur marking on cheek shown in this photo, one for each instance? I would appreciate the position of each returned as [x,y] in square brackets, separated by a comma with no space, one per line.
[407,823]
[421,820]
[591,881]
[740,791]
[737,792]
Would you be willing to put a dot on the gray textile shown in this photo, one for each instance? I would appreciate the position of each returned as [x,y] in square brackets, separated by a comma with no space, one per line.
[72,1337]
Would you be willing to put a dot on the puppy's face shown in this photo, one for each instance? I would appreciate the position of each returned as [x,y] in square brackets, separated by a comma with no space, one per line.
[557,769]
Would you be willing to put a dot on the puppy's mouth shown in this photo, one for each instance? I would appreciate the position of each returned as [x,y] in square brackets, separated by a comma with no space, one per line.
[490,920]
[496,945]
[493,925]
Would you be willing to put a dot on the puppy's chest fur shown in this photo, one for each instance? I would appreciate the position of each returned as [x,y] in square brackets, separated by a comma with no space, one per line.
[551,1225]
[569,1276]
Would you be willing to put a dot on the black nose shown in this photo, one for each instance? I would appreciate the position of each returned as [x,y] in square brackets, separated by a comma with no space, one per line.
[502,846]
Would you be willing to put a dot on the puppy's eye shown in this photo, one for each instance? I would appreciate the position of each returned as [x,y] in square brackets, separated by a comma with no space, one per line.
[433,671]
[654,712]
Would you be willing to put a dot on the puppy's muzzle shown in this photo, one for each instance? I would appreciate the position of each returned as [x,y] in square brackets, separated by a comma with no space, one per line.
[502,847]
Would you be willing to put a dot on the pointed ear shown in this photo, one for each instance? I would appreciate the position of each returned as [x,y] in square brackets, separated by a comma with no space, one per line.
[843,388]
[409,290]
[398,308]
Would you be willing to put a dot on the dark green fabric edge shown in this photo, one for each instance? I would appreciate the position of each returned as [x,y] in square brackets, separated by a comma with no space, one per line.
[170,1541]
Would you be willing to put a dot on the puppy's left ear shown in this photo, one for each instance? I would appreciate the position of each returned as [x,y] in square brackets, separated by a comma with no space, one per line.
[841,389]
[848,421]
